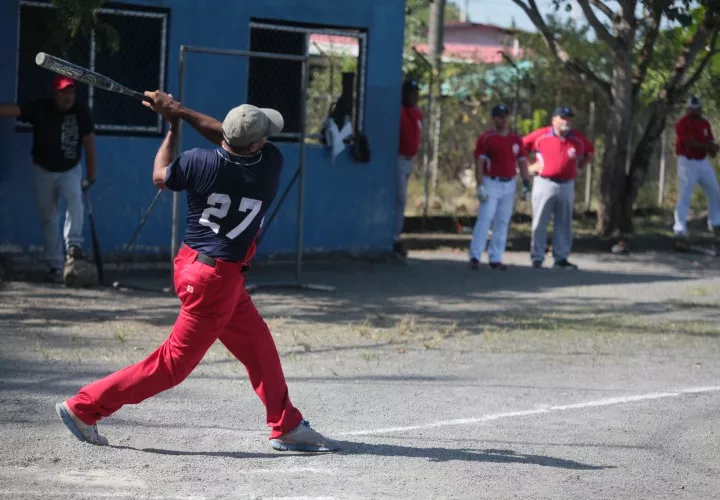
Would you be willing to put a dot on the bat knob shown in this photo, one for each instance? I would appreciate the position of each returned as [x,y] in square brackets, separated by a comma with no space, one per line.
[40,58]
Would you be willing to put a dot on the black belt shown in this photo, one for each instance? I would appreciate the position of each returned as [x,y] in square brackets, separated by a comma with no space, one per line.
[558,180]
[501,179]
[212,262]
[206,259]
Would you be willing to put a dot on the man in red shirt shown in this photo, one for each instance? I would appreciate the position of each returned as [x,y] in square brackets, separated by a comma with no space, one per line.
[694,141]
[560,152]
[410,126]
[498,154]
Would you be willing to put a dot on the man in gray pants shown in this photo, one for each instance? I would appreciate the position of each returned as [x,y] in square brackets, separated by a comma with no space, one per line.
[61,128]
[559,152]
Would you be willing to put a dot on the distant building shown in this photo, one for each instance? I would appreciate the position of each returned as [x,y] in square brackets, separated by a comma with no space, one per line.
[476,43]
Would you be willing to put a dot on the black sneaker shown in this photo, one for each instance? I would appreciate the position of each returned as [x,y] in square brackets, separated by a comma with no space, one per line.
[53,276]
[565,264]
[400,249]
[474,264]
[498,265]
[537,264]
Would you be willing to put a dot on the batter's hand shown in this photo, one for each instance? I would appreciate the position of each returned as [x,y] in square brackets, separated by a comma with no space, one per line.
[535,168]
[163,103]
[482,194]
[713,149]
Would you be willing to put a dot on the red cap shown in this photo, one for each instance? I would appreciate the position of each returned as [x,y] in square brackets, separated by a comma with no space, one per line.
[61,81]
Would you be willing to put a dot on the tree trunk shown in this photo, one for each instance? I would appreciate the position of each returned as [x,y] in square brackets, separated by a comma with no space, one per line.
[612,215]
[640,163]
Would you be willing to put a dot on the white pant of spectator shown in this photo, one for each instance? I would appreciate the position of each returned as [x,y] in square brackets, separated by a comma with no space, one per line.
[689,174]
[496,211]
[49,188]
[404,170]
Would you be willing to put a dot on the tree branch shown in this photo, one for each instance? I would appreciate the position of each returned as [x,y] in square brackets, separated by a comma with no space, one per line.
[685,87]
[602,7]
[601,30]
[648,49]
[707,29]
[577,67]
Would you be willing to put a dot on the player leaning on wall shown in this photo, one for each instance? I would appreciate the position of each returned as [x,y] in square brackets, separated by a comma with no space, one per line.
[62,127]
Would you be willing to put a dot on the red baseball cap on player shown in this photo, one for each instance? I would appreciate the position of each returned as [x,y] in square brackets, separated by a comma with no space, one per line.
[61,82]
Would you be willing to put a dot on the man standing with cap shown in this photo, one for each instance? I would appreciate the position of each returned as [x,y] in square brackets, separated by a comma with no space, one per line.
[694,142]
[410,127]
[229,190]
[498,154]
[559,152]
[62,127]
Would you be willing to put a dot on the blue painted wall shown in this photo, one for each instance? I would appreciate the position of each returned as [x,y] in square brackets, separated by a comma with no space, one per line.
[349,205]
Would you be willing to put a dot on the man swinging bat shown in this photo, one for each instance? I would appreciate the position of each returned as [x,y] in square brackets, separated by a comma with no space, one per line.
[229,189]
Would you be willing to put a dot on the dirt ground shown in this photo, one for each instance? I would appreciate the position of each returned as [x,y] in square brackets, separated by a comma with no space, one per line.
[440,383]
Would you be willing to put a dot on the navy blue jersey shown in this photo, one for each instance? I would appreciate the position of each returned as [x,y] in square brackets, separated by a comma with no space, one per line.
[227,197]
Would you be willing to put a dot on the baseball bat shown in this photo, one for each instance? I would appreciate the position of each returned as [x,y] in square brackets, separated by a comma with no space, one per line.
[95,243]
[85,75]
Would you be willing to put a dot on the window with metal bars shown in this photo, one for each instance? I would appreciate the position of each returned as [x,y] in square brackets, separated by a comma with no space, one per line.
[140,63]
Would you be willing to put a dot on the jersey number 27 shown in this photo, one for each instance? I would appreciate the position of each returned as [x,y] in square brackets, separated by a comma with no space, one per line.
[246,204]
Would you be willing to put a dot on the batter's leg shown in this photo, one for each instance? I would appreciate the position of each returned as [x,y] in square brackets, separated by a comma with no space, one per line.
[207,305]
[501,225]
[248,338]
[70,186]
[544,198]
[403,175]
[562,228]
[46,198]
[709,184]
[485,216]
[687,177]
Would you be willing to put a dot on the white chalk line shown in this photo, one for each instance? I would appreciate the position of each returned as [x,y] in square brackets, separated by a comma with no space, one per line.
[550,409]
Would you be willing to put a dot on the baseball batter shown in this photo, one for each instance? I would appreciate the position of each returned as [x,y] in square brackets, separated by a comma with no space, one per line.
[498,154]
[559,152]
[229,190]
[694,141]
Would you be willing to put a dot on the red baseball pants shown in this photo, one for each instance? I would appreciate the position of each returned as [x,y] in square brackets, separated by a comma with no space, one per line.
[214,305]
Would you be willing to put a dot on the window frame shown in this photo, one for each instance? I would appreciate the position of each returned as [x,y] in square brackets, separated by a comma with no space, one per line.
[130,10]
[308,29]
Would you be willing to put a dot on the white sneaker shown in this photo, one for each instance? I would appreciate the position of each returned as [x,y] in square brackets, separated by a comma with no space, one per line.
[303,438]
[80,430]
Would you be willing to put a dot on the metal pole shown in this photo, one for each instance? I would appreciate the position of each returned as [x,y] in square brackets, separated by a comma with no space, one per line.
[301,180]
[428,147]
[589,167]
[663,158]
[174,244]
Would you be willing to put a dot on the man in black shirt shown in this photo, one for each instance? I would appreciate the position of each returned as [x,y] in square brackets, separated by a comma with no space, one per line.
[62,127]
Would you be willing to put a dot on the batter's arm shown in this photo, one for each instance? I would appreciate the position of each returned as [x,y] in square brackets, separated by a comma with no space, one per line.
[479,169]
[207,126]
[91,157]
[9,110]
[164,156]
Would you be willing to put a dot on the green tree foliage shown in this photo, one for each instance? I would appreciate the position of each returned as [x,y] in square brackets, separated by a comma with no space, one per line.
[77,19]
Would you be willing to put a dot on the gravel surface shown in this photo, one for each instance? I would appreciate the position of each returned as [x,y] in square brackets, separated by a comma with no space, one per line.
[440,383]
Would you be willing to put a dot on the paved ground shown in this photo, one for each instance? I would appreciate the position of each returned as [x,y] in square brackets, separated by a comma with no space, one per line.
[442,383]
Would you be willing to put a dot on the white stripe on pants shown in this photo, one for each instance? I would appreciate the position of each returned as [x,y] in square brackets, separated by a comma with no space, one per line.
[555,199]
[404,170]
[496,211]
[49,188]
[689,174]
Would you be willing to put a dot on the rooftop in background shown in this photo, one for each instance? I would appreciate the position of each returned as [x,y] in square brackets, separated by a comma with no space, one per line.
[476,42]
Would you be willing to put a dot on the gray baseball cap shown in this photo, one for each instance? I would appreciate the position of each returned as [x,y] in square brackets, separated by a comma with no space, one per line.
[247,124]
